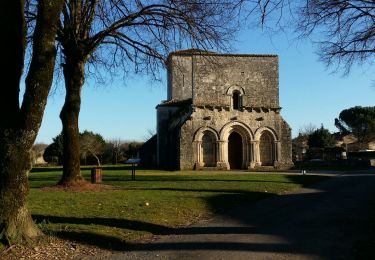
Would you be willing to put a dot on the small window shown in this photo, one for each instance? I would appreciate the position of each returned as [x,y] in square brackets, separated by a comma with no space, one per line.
[236,100]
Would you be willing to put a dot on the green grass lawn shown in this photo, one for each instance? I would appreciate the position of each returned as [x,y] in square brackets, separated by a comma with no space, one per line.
[113,218]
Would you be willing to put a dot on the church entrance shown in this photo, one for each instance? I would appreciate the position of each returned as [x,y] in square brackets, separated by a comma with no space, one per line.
[209,149]
[235,151]
[265,149]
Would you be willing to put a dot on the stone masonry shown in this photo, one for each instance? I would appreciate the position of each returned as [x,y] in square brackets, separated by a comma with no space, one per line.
[222,112]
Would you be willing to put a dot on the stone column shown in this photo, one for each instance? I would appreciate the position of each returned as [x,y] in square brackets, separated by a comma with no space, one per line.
[276,151]
[244,149]
[252,161]
[222,160]
[256,153]
[198,156]
[217,152]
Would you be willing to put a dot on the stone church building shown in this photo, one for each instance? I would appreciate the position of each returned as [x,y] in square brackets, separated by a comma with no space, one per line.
[222,112]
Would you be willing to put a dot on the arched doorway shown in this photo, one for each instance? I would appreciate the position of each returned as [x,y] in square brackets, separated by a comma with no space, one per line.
[265,149]
[208,149]
[235,151]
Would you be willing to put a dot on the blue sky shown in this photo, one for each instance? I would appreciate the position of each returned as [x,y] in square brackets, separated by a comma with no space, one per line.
[309,93]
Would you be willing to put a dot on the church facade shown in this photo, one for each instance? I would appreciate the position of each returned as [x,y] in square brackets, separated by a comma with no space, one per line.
[222,112]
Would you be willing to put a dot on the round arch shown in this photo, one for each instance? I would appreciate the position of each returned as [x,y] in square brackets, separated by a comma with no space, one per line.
[260,131]
[235,137]
[231,89]
[236,94]
[239,127]
[200,132]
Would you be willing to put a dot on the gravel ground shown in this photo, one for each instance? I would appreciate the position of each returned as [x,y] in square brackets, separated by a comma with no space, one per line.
[52,248]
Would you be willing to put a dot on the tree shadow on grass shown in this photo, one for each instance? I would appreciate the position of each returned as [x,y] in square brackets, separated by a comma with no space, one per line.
[98,240]
[112,243]
[46,169]
[171,179]
[83,167]
[115,243]
[307,180]
[241,193]
[297,179]
[110,222]
[222,203]
[321,222]
[219,204]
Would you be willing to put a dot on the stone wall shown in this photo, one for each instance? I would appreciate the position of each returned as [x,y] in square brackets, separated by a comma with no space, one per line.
[209,79]
[170,117]
[219,120]
[180,77]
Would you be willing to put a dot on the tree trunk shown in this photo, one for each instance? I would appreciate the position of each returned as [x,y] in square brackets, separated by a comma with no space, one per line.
[17,224]
[114,161]
[74,78]
[18,134]
[97,158]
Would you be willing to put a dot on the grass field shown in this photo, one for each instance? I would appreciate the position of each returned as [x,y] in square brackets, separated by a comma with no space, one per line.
[158,202]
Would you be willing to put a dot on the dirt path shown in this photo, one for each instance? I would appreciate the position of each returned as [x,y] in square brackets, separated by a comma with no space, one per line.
[322,222]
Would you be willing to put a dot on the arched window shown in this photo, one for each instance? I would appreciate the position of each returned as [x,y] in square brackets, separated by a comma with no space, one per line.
[236,100]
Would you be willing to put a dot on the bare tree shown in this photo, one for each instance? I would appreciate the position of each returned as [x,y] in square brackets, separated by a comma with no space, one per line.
[346,27]
[91,143]
[344,30]
[115,146]
[135,34]
[20,122]
[307,129]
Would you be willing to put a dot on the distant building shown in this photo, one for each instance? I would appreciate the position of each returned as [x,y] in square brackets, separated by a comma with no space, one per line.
[300,147]
[222,112]
[37,154]
[350,143]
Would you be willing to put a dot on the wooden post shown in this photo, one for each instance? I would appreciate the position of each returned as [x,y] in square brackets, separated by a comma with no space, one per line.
[133,172]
